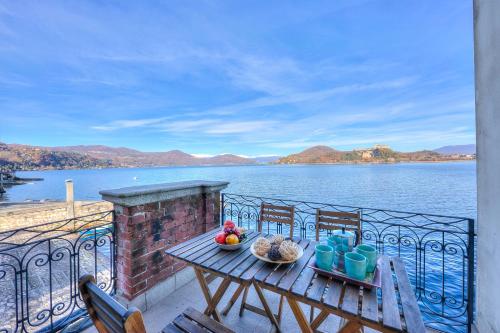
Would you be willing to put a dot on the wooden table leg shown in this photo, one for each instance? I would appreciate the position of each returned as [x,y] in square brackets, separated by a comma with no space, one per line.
[267,309]
[304,325]
[319,319]
[244,299]
[351,327]
[212,301]
[218,296]
[233,299]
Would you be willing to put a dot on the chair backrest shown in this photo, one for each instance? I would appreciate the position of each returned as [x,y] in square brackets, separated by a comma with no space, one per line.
[107,314]
[277,214]
[329,220]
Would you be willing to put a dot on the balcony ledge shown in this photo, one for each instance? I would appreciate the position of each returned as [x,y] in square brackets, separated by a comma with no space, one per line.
[140,195]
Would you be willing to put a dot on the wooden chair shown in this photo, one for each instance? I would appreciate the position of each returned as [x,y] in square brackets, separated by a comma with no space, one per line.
[109,316]
[283,215]
[329,220]
[332,220]
[277,214]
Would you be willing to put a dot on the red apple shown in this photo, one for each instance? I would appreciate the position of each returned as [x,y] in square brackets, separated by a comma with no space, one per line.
[220,238]
[229,224]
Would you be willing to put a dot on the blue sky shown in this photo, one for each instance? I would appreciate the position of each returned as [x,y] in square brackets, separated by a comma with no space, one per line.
[245,77]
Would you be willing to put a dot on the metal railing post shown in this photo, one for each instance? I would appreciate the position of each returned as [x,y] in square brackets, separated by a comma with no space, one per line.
[470,274]
[222,211]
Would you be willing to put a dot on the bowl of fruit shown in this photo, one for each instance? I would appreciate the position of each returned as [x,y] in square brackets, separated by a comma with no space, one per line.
[230,237]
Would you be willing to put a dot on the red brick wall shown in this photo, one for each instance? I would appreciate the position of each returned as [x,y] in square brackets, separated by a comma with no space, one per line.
[144,232]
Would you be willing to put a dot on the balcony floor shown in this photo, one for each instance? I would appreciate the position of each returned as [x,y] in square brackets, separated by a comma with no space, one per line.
[190,295]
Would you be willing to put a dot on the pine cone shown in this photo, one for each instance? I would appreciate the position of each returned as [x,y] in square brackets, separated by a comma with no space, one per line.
[262,246]
[289,250]
[274,253]
[277,239]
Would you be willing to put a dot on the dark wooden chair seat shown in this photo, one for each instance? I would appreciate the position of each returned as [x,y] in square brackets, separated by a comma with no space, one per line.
[192,321]
[109,316]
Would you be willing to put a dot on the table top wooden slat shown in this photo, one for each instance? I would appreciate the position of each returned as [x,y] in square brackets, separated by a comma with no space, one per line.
[206,254]
[252,270]
[333,294]
[244,266]
[212,247]
[240,260]
[174,250]
[369,306]
[283,269]
[390,314]
[195,249]
[411,311]
[291,276]
[216,256]
[265,271]
[303,282]
[317,288]
[350,301]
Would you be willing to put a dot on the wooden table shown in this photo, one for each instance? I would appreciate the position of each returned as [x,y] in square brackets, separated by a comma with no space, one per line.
[392,308]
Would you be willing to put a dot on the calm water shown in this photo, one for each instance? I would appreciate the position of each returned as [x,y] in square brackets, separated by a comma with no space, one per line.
[439,188]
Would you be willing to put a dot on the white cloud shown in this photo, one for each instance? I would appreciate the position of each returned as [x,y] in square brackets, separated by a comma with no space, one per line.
[202,155]
[131,123]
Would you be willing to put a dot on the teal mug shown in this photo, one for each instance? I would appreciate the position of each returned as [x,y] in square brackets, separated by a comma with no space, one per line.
[324,257]
[332,241]
[371,256]
[338,258]
[355,265]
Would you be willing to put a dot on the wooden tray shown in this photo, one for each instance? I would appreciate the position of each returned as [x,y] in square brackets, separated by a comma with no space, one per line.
[372,280]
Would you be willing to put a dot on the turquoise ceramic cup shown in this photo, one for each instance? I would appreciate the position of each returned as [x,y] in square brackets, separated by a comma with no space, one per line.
[355,265]
[338,258]
[324,257]
[332,241]
[371,256]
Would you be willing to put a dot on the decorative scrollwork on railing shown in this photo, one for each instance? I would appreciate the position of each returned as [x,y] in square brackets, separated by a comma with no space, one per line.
[40,267]
[438,250]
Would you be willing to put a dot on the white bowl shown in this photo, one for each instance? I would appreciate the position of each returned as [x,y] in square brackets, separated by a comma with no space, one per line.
[266,258]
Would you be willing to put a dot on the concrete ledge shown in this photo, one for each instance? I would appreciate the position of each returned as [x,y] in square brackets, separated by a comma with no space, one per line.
[140,195]
[158,293]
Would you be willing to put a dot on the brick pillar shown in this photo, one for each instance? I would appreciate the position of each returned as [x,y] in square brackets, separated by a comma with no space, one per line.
[149,220]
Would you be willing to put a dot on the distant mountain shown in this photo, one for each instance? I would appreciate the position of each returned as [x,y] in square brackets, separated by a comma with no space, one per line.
[457,149]
[23,157]
[126,157]
[266,159]
[316,154]
[376,154]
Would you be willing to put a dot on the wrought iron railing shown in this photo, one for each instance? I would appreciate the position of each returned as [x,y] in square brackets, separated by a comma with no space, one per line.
[438,250]
[40,266]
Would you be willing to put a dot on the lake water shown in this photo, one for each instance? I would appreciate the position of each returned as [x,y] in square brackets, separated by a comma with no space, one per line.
[438,188]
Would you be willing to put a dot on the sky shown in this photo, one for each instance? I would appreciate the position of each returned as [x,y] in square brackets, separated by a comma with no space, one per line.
[251,78]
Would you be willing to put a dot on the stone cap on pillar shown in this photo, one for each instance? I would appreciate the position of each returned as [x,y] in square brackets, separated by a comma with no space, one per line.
[140,195]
